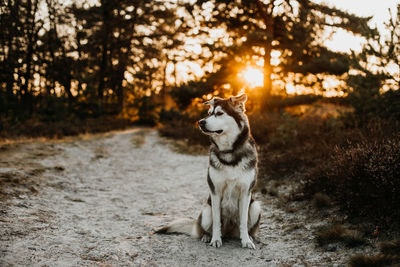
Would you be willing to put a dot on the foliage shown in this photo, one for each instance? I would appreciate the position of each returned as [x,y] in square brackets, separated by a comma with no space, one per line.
[363,176]
[72,126]
[69,56]
[379,260]
[338,233]
[147,110]
[294,28]
[375,88]
[185,93]
[182,127]
[355,165]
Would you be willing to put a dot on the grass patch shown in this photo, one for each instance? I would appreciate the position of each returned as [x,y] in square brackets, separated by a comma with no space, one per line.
[372,261]
[354,164]
[390,247]
[187,138]
[364,178]
[321,201]
[34,128]
[338,233]
[182,147]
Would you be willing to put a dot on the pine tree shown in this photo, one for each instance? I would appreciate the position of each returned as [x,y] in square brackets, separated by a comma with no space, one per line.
[375,87]
[122,36]
[293,27]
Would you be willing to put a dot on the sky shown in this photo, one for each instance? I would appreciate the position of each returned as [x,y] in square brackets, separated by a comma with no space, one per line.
[343,41]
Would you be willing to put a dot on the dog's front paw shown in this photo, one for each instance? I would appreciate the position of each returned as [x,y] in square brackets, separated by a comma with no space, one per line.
[206,238]
[247,243]
[216,242]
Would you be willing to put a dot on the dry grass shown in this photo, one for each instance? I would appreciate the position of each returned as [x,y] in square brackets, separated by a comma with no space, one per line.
[188,139]
[184,130]
[390,247]
[338,233]
[180,146]
[34,128]
[321,201]
[379,260]
[357,166]
[363,177]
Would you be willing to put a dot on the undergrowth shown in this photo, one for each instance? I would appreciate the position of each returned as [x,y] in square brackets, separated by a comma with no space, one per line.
[354,165]
[71,126]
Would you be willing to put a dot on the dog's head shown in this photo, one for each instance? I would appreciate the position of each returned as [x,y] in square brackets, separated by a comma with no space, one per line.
[224,115]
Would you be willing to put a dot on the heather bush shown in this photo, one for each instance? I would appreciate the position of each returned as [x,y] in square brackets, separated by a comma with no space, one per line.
[363,177]
[183,128]
[290,144]
[356,165]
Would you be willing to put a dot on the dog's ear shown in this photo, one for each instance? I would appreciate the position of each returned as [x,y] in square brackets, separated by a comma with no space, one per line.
[209,102]
[239,99]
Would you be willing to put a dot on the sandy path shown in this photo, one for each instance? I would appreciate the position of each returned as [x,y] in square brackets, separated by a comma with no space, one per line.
[100,198]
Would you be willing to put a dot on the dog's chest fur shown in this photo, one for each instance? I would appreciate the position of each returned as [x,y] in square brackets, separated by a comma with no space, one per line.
[231,181]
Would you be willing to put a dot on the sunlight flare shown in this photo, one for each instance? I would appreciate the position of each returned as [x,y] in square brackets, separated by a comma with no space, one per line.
[253,76]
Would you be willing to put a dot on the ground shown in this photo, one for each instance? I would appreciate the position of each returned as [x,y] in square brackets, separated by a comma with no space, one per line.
[96,200]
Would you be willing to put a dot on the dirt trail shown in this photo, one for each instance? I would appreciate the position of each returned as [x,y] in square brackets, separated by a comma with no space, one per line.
[96,202]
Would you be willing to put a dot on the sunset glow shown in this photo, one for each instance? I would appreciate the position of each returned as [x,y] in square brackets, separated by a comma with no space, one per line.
[253,76]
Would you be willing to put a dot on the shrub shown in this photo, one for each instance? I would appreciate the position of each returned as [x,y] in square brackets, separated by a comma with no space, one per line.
[289,144]
[364,177]
[338,233]
[372,261]
[185,93]
[58,129]
[185,130]
[278,102]
[321,201]
[390,247]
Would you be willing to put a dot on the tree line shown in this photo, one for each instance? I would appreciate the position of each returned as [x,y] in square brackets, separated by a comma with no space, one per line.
[91,58]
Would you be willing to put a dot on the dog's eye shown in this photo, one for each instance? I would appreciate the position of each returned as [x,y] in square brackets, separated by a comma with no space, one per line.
[219,113]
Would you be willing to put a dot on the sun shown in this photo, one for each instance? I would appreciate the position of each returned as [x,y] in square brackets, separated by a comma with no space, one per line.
[253,76]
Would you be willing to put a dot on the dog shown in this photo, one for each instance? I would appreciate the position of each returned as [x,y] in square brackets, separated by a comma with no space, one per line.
[231,176]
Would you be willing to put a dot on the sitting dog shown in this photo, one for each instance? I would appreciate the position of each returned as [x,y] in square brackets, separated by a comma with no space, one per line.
[231,177]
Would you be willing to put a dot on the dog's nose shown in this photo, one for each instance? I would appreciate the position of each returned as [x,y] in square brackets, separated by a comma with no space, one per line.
[202,123]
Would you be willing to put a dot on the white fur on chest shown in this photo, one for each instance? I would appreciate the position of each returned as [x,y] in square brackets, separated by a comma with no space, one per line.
[230,183]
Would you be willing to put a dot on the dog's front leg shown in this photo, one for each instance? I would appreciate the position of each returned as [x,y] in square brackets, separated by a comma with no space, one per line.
[216,220]
[244,203]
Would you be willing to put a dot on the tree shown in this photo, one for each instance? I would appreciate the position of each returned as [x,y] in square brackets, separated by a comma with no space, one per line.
[19,36]
[375,86]
[293,27]
[120,37]
[96,55]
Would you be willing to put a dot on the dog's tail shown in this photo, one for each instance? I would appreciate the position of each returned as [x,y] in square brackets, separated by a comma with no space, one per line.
[182,226]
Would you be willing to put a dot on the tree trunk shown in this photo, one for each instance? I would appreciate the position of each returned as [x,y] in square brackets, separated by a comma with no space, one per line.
[103,64]
[267,70]
[120,96]
[164,85]
[266,12]
[25,98]
[12,33]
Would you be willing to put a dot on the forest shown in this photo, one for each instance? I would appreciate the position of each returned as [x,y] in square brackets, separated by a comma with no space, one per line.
[325,120]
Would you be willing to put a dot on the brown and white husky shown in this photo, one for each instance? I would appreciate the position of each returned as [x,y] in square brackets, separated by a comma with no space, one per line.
[231,176]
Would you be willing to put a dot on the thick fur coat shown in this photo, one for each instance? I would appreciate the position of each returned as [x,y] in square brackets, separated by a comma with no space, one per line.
[231,177]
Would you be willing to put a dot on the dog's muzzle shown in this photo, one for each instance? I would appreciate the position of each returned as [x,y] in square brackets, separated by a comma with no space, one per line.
[202,126]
